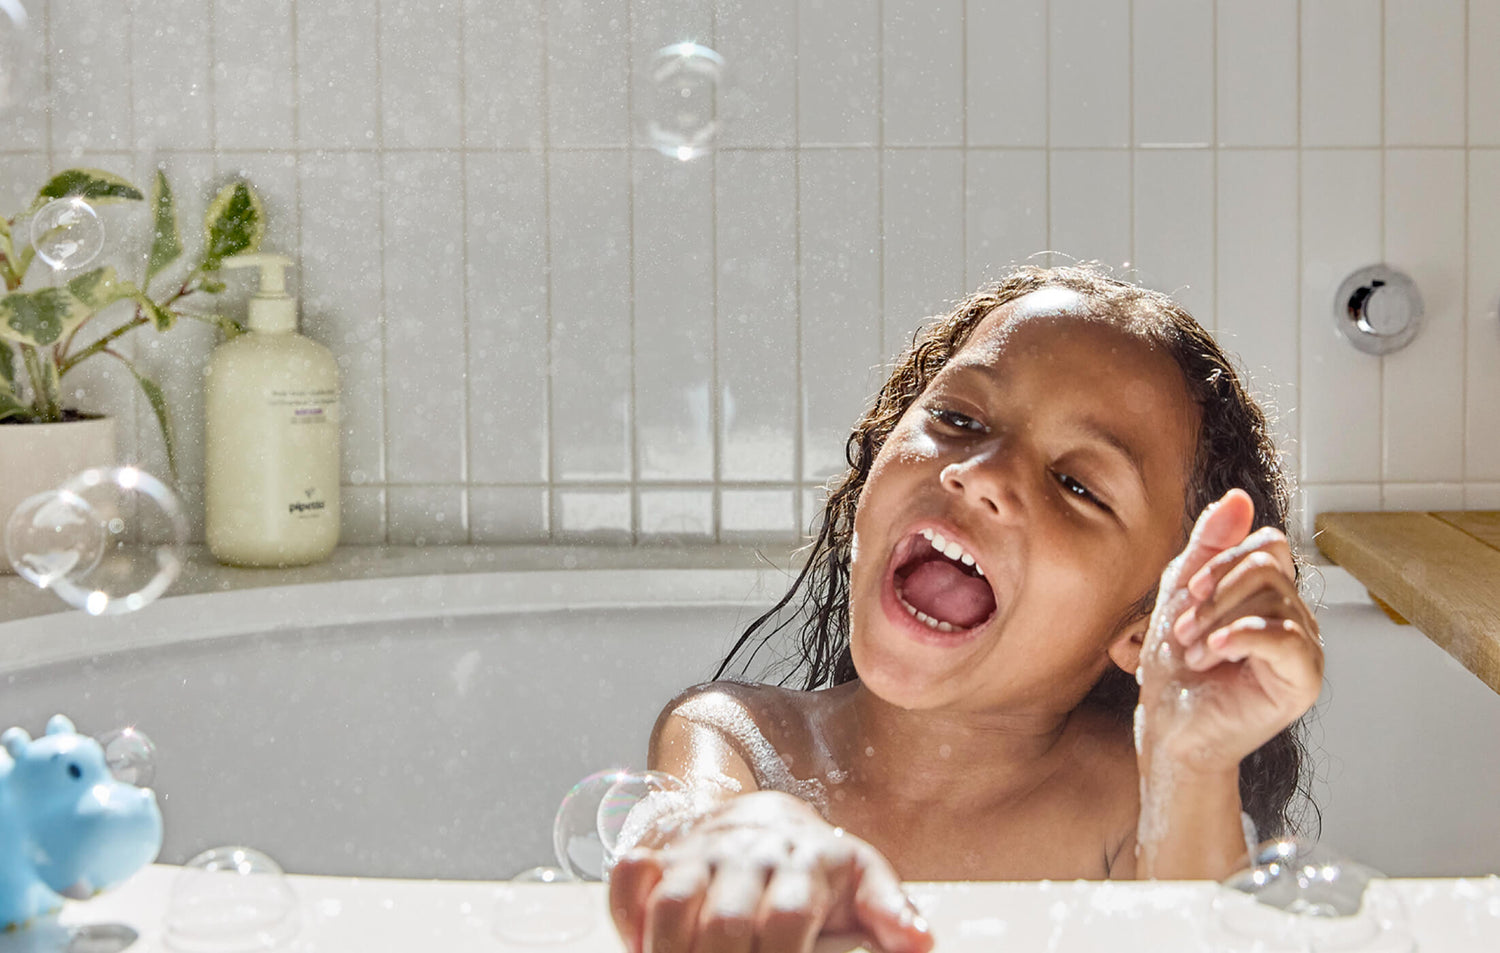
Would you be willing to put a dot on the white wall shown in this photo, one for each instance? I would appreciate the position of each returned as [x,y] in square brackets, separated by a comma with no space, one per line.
[459,184]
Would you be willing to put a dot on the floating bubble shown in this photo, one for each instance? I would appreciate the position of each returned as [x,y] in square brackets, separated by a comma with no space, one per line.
[529,911]
[1299,897]
[51,535]
[680,100]
[130,754]
[231,900]
[144,532]
[67,233]
[593,816]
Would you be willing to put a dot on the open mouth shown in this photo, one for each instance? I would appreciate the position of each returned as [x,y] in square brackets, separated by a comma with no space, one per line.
[939,584]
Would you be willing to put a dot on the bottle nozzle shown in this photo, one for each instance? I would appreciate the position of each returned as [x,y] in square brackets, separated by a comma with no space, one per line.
[271,308]
[272,269]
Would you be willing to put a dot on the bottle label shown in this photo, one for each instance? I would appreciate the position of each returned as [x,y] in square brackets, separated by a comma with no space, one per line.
[304,407]
[307,505]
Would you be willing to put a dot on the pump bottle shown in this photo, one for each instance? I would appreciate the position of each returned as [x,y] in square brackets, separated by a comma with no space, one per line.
[272,475]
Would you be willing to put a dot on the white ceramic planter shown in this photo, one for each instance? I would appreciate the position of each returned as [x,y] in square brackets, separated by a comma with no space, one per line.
[38,457]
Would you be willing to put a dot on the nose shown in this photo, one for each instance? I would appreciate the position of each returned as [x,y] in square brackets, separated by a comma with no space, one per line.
[983,480]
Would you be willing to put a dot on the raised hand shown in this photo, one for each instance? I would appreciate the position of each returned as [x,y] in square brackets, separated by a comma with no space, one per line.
[762,872]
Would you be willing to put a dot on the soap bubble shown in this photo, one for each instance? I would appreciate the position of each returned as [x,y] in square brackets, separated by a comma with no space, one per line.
[231,900]
[529,913]
[67,233]
[130,754]
[1297,896]
[593,815]
[51,535]
[144,531]
[680,99]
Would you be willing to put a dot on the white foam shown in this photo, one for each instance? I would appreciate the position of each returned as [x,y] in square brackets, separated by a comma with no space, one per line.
[772,773]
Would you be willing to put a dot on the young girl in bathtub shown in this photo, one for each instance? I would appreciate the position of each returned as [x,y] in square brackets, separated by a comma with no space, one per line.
[1062,491]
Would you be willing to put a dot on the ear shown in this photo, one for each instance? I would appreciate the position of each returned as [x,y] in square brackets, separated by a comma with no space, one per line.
[1125,650]
[15,741]
[60,725]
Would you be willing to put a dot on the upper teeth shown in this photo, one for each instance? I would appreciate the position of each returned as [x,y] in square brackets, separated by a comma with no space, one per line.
[950,548]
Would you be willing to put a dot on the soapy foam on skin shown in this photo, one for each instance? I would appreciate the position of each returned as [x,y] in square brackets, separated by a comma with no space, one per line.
[772,773]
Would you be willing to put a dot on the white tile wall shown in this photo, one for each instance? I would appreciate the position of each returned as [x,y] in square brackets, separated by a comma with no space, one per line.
[546,334]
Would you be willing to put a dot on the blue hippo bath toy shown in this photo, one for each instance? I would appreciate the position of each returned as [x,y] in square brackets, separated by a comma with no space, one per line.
[67,828]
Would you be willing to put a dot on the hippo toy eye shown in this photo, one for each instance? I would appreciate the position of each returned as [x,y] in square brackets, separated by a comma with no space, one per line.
[74,771]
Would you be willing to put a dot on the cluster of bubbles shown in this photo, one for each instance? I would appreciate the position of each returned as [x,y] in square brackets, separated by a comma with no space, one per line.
[591,828]
[109,540]
[680,100]
[1301,897]
[67,233]
[231,900]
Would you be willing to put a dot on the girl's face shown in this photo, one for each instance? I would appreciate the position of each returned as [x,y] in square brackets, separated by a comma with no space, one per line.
[1049,460]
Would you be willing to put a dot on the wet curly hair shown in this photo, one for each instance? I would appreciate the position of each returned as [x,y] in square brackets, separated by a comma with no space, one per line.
[1234,449]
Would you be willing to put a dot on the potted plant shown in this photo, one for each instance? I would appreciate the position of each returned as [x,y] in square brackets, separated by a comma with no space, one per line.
[42,440]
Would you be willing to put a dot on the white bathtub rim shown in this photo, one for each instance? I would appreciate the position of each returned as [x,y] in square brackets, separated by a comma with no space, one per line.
[69,635]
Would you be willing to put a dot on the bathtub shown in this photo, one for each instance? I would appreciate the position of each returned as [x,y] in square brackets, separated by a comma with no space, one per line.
[426,726]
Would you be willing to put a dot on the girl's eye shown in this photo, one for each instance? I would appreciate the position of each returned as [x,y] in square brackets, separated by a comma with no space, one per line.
[1078,489]
[956,420]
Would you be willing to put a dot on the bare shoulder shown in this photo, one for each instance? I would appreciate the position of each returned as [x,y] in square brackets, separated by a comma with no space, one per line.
[765,727]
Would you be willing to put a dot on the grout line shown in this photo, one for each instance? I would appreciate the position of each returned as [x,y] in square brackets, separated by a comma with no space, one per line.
[465,461]
[632,406]
[1130,116]
[880,168]
[1213,136]
[1298,278]
[385,412]
[1463,310]
[550,450]
[799,396]
[715,404]
[1384,202]
[1047,121]
[963,138]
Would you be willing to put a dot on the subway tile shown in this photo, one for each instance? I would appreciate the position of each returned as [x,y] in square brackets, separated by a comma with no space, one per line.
[1484,73]
[340,283]
[673,218]
[425,412]
[758,39]
[253,75]
[1340,386]
[361,515]
[1089,73]
[427,515]
[1005,211]
[677,514]
[1335,498]
[1341,67]
[1423,384]
[924,256]
[1482,403]
[1396,497]
[1174,226]
[506,277]
[838,72]
[757,514]
[21,175]
[25,106]
[587,72]
[589,196]
[922,72]
[338,87]
[504,73]
[508,514]
[170,74]
[1006,99]
[591,516]
[840,300]
[1173,63]
[1257,72]
[1256,310]
[90,74]
[757,313]
[814,499]
[421,74]
[1090,206]
[1482,496]
[1424,72]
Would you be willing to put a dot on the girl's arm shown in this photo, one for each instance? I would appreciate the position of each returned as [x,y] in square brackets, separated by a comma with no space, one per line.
[730,867]
[1231,659]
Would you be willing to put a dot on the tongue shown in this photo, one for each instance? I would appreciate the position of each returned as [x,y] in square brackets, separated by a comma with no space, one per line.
[948,594]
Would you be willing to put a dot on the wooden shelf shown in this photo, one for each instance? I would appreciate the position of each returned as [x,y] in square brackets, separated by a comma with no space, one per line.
[1441,571]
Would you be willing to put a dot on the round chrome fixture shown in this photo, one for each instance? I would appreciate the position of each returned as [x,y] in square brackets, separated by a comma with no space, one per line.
[1378,309]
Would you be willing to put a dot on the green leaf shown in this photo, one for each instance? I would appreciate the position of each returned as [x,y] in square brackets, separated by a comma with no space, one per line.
[40,317]
[7,364]
[10,405]
[96,185]
[211,287]
[166,245]
[158,401]
[234,224]
[100,287]
[163,318]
